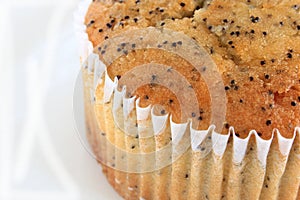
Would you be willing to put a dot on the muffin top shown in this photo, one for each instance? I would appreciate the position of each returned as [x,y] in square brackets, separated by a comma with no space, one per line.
[254,44]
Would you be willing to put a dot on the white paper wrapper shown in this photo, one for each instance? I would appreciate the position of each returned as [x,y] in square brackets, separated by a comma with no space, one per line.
[241,167]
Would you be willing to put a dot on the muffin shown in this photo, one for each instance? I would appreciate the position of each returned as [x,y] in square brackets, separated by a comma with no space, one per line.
[195,99]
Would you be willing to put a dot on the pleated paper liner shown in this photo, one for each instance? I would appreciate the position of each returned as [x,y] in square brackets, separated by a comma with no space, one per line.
[214,166]
[257,166]
[250,168]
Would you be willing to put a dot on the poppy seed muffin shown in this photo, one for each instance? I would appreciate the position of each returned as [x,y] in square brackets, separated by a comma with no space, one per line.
[255,46]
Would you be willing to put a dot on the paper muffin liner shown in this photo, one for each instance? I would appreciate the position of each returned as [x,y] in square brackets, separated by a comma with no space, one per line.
[195,164]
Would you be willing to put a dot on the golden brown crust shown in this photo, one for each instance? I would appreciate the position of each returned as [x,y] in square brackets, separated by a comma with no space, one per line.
[255,46]
[107,19]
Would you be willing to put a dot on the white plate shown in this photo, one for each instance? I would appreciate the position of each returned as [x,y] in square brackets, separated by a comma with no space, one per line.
[41,156]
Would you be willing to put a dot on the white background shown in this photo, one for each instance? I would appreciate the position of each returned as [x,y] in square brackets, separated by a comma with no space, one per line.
[41,156]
